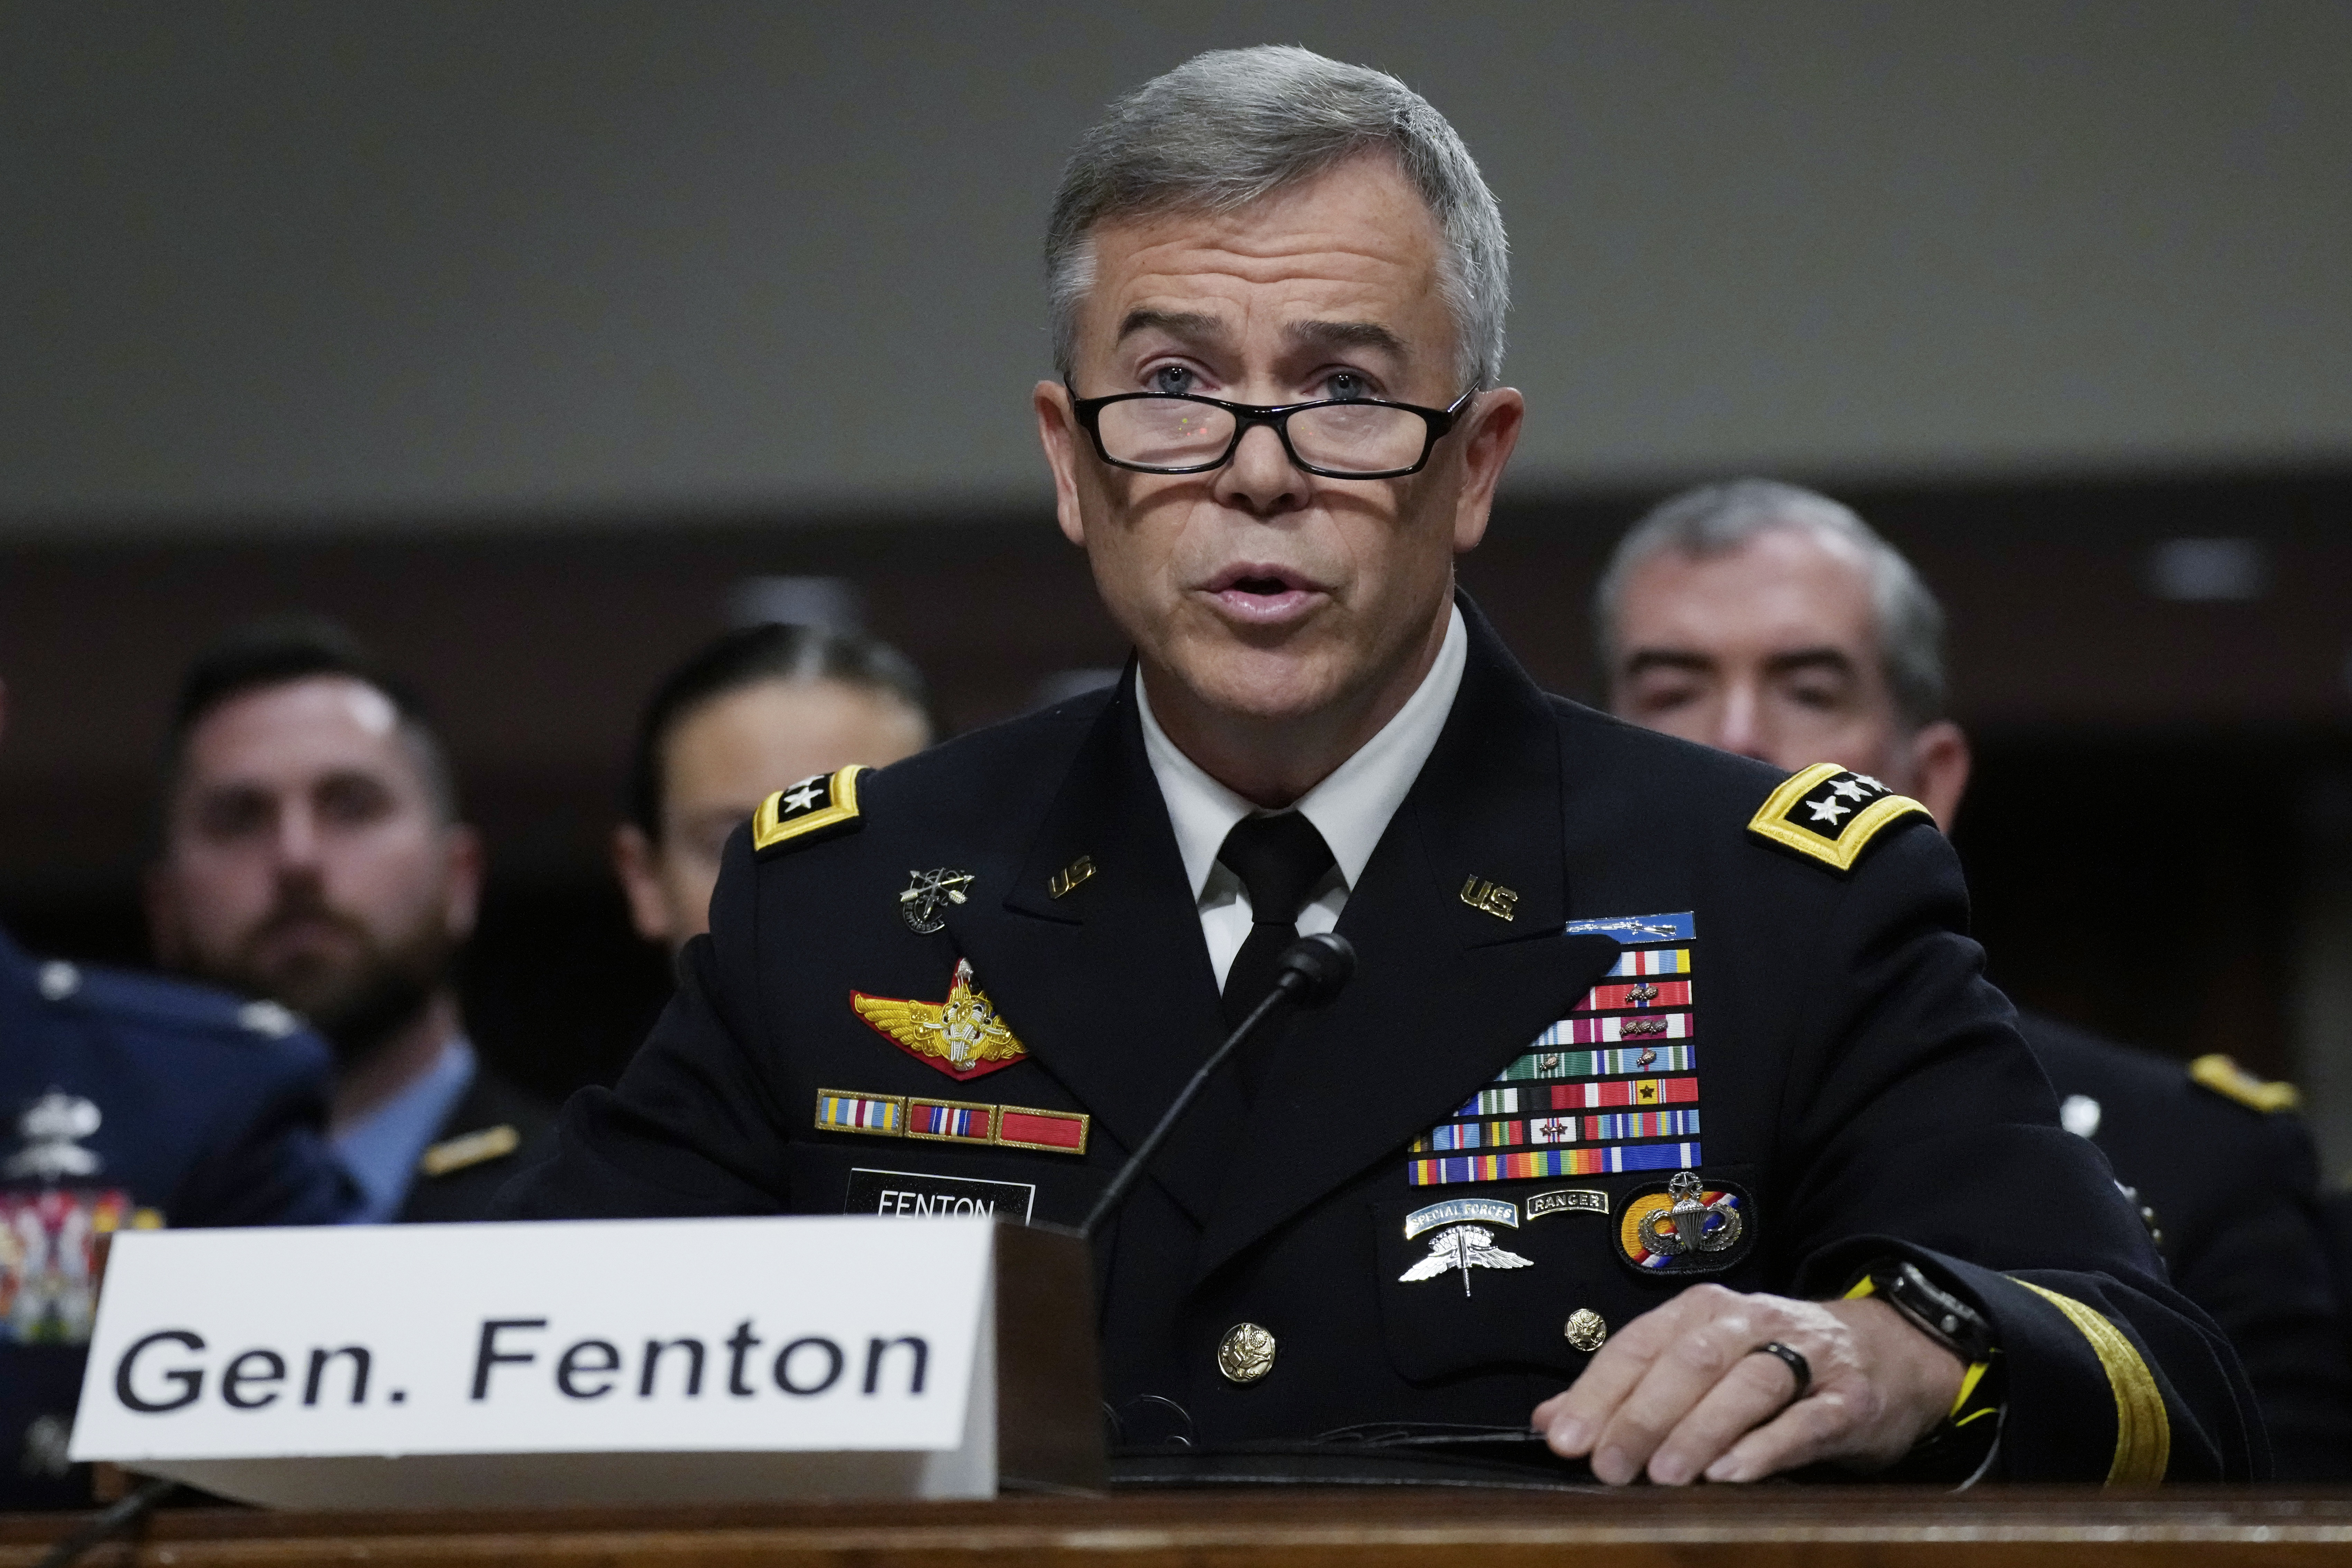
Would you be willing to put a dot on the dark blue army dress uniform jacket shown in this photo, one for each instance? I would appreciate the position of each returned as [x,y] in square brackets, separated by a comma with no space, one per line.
[2229,1176]
[1588,991]
[130,1102]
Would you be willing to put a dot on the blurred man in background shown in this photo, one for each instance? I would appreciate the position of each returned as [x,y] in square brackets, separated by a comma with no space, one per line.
[130,1102]
[757,710]
[312,854]
[1770,621]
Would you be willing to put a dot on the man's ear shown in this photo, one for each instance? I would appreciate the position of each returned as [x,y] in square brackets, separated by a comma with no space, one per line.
[1939,768]
[463,901]
[637,864]
[1057,429]
[1492,430]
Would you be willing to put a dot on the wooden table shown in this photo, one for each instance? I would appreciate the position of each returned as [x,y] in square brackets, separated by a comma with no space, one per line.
[1769,1527]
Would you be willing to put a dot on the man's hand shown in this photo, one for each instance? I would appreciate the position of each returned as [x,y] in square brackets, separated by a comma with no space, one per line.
[1676,1391]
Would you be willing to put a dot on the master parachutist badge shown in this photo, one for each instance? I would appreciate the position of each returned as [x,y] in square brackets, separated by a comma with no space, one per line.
[1685,1226]
[1690,1225]
[926,891]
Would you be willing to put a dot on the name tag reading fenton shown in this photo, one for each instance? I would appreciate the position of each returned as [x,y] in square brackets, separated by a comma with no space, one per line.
[914,1192]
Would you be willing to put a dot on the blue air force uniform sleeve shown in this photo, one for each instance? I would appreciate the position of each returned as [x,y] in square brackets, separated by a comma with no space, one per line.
[1921,1129]
[133,1102]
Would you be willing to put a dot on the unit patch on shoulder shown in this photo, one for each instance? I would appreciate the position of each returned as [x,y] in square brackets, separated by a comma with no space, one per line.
[1830,814]
[820,806]
[2224,1077]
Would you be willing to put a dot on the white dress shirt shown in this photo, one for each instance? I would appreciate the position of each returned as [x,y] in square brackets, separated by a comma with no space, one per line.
[1350,808]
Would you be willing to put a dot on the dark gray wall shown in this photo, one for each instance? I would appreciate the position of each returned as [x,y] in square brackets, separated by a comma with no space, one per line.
[361,264]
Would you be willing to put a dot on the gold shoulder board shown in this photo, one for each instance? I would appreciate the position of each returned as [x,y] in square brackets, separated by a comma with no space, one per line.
[819,806]
[1830,814]
[2225,1077]
[469,1149]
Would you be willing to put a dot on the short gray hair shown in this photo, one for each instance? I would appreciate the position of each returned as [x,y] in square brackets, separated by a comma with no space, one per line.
[1230,127]
[1715,520]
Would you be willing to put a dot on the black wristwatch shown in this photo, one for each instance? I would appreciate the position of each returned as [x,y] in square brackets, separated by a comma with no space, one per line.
[1933,1310]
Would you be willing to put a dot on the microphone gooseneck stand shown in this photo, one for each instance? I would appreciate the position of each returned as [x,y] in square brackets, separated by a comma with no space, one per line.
[120,1517]
[1309,973]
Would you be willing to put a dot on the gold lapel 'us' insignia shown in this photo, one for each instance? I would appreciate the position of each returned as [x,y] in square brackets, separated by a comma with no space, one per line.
[1832,814]
[1494,899]
[818,807]
[963,1037]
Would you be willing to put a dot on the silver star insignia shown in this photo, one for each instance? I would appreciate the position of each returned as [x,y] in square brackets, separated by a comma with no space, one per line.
[1829,810]
[802,796]
[1849,788]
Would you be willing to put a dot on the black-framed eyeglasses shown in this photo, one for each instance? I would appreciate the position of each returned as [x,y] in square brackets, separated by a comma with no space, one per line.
[1336,438]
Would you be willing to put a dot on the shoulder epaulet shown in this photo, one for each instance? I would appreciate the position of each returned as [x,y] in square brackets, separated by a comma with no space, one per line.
[818,807]
[1830,814]
[154,1000]
[469,1149]
[2224,1077]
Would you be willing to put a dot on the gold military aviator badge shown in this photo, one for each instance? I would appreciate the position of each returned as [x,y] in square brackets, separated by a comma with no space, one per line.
[963,1037]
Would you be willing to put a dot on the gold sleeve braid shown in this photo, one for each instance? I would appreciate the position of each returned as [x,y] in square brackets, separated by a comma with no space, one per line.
[2143,1430]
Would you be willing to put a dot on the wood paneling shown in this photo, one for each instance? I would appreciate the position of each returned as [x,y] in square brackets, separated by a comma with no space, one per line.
[1765,1527]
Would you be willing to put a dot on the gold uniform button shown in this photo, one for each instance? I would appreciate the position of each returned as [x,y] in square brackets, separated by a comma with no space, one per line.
[1586,1331]
[1246,1354]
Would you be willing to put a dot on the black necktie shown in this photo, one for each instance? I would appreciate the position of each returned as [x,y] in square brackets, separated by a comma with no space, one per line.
[1279,860]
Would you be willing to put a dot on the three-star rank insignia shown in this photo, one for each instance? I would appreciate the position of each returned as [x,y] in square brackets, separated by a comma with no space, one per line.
[820,806]
[1832,814]
[961,1037]
[1685,1226]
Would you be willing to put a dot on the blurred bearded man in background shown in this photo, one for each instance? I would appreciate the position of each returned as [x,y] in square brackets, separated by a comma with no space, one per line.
[312,856]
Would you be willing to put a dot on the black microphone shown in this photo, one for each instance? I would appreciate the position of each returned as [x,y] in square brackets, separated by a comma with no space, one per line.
[1307,973]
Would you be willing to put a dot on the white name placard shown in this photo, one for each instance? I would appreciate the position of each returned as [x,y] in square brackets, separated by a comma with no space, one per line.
[585,1361]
